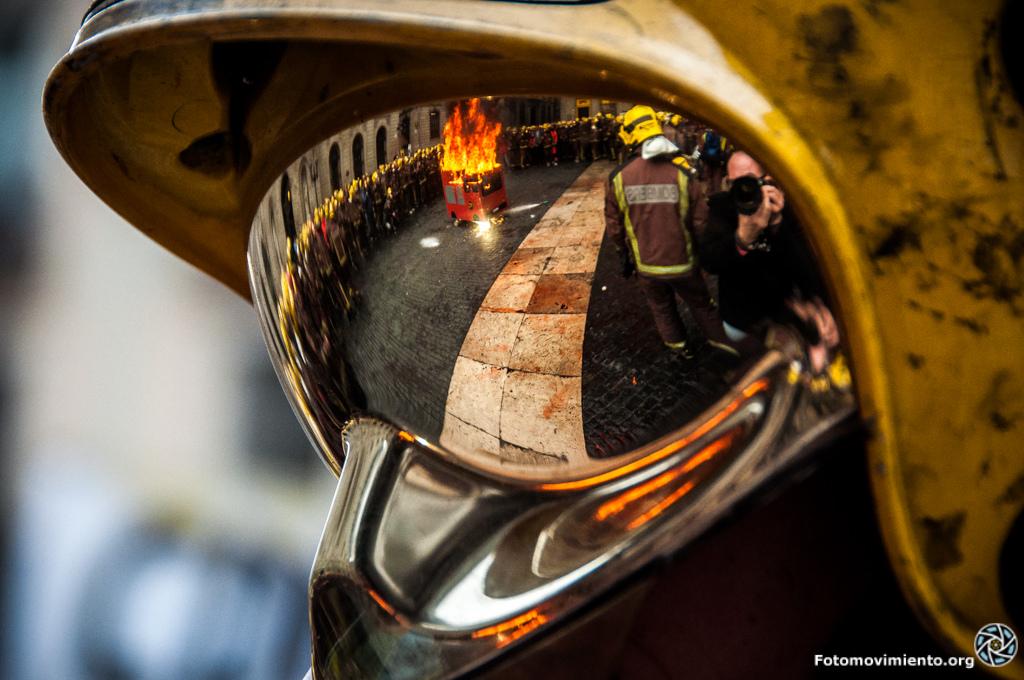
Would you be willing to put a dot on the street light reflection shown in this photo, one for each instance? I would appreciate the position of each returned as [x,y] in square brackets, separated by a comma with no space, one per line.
[523,208]
[508,631]
[748,392]
[623,501]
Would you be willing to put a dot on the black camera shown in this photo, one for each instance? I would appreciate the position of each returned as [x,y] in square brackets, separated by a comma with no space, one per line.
[747,194]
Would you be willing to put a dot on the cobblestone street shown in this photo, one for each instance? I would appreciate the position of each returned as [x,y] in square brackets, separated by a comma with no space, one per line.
[634,388]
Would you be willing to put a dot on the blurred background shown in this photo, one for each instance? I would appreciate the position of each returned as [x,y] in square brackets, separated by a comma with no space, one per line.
[161,505]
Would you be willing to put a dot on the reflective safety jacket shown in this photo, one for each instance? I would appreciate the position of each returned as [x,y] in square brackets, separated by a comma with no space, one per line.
[646,212]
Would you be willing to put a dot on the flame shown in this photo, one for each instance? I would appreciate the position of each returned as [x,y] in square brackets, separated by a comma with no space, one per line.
[470,142]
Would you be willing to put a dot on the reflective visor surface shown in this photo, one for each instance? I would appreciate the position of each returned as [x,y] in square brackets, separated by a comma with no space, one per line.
[527,389]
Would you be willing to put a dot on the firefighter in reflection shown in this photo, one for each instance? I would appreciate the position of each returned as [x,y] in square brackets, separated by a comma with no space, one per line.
[377,197]
[619,148]
[550,145]
[584,135]
[646,209]
[714,148]
[522,143]
[571,133]
[596,138]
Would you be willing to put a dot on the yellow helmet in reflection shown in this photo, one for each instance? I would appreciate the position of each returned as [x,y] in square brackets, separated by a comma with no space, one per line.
[639,124]
[627,139]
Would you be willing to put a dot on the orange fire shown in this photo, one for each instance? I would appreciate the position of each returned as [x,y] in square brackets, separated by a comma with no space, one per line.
[470,142]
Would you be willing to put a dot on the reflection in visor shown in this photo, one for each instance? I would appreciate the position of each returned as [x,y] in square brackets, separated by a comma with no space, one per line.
[488,338]
[509,337]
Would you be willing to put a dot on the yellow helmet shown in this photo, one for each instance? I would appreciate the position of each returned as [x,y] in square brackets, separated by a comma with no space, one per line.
[944,537]
[640,123]
[675,120]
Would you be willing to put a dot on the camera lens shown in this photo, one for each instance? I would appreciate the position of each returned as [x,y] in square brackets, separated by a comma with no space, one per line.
[746,194]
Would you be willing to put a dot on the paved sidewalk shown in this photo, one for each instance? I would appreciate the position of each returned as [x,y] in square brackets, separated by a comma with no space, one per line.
[420,291]
[516,392]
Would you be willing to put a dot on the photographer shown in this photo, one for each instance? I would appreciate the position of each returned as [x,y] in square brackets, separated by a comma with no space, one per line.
[766,273]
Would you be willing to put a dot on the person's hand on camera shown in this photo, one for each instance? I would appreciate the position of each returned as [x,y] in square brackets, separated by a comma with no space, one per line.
[776,201]
[769,212]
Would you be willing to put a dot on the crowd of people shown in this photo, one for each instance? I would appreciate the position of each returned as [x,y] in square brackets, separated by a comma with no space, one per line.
[581,141]
[595,138]
[320,279]
[343,230]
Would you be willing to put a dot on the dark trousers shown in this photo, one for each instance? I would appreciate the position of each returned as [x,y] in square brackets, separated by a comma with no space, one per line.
[661,298]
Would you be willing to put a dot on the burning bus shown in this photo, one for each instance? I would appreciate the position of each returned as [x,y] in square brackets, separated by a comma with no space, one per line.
[473,179]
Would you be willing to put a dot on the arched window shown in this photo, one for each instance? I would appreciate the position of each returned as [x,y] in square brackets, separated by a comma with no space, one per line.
[286,207]
[334,161]
[382,146]
[358,167]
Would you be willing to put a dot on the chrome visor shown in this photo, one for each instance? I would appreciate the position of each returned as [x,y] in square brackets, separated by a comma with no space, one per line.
[514,433]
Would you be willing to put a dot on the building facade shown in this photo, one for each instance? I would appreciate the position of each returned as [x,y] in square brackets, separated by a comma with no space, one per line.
[584,107]
[349,154]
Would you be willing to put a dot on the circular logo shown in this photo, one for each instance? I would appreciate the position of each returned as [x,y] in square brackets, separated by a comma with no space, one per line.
[995,644]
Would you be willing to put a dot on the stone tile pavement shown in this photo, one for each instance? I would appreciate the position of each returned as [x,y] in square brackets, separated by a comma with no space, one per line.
[517,387]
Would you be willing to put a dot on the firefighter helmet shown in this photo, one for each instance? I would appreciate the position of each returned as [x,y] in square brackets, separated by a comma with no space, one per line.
[945,538]
[627,139]
[640,124]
